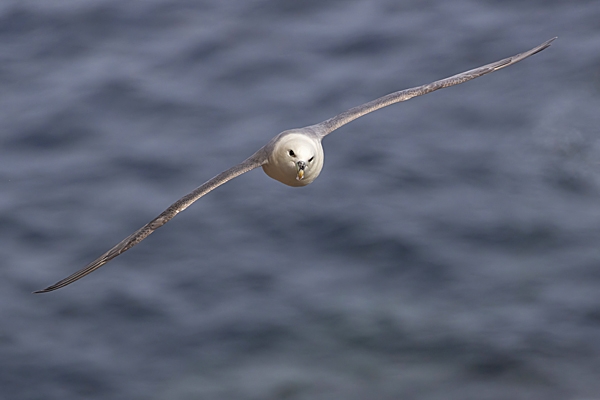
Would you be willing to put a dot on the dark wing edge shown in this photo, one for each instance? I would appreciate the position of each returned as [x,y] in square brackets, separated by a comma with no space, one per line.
[328,126]
[255,161]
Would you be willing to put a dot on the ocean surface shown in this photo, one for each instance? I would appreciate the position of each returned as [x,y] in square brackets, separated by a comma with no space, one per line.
[450,248]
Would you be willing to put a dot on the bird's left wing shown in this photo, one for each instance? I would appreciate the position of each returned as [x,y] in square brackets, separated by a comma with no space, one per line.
[256,160]
[326,127]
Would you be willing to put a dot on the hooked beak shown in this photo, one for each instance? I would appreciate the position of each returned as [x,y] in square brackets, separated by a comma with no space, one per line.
[300,166]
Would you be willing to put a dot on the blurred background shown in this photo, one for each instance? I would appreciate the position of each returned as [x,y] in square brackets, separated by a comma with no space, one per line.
[449,250]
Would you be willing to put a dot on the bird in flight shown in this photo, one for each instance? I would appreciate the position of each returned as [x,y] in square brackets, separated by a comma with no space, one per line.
[293,157]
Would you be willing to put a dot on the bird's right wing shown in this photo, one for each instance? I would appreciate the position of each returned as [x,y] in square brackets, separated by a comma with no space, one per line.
[255,161]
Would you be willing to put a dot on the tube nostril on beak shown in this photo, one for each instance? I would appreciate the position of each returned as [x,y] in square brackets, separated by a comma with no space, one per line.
[300,166]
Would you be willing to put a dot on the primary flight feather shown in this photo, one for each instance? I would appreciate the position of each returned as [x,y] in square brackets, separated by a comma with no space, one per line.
[294,157]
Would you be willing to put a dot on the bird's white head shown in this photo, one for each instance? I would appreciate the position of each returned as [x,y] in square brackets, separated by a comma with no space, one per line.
[295,158]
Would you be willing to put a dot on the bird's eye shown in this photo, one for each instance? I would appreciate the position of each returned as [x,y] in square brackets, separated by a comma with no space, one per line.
[311,159]
[291,153]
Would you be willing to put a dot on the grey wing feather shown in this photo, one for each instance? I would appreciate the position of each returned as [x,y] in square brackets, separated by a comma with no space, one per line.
[256,160]
[328,126]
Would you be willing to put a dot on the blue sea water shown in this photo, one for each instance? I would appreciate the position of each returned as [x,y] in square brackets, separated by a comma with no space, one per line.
[449,250]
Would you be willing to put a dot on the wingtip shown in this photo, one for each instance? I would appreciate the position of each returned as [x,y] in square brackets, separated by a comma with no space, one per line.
[540,48]
[548,42]
[46,290]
